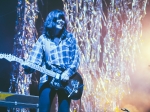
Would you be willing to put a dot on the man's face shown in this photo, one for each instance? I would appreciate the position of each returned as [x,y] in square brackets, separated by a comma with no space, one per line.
[60,24]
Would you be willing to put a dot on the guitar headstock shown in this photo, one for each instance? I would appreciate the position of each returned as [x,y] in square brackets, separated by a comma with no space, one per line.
[9,57]
[1,56]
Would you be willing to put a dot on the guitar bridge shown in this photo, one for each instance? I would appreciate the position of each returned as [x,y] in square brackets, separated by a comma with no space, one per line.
[75,85]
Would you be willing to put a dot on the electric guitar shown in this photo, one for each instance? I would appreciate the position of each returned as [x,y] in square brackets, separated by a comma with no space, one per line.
[73,87]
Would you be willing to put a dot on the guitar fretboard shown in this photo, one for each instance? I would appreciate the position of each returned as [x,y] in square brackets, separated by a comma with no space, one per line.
[33,66]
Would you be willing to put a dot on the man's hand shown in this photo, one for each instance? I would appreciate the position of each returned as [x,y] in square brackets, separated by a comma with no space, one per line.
[64,76]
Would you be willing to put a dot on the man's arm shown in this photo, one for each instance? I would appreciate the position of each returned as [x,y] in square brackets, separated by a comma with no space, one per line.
[74,63]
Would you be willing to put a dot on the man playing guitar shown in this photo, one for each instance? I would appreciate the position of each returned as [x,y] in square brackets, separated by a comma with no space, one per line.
[56,50]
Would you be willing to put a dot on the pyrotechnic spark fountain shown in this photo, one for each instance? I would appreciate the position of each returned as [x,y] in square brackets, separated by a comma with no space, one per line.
[23,41]
[105,85]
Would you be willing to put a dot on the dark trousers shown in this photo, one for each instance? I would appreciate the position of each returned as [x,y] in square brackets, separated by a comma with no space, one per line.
[46,96]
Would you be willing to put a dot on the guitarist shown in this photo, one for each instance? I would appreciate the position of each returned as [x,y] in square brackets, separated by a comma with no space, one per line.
[56,49]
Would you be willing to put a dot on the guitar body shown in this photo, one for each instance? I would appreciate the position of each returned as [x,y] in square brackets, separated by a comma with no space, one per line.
[73,87]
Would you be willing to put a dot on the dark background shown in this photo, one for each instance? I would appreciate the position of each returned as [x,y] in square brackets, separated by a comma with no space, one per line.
[7,32]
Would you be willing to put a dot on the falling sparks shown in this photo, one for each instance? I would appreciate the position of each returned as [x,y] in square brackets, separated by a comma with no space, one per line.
[23,43]
[106,84]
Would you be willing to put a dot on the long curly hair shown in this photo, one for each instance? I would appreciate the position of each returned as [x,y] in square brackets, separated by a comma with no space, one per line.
[50,22]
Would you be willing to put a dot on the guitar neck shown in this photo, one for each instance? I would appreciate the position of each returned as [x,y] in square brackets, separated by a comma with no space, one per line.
[42,70]
[31,65]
